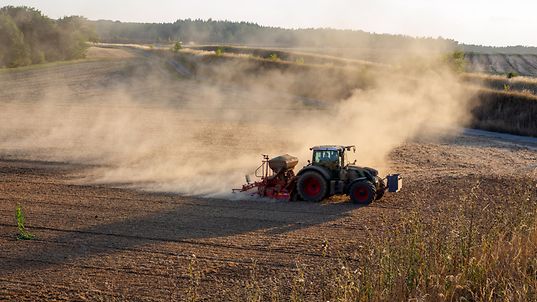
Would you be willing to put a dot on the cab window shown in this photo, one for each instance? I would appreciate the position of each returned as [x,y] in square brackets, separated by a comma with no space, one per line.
[325,156]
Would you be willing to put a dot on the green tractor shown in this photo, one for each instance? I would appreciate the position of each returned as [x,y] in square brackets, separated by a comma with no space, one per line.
[328,174]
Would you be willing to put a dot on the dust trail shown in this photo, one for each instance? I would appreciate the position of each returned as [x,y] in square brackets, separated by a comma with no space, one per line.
[142,128]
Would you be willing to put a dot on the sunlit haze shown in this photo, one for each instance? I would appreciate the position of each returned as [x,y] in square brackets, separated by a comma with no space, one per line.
[497,23]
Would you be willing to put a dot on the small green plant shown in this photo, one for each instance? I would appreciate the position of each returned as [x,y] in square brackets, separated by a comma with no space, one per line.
[506,87]
[299,60]
[194,276]
[23,233]
[219,51]
[273,57]
[177,47]
[512,74]
[325,248]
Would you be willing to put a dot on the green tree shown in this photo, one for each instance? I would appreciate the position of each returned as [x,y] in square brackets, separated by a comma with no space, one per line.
[75,32]
[456,61]
[39,32]
[27,36]
[13,51]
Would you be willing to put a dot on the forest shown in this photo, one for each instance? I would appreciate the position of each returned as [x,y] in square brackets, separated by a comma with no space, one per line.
[29,37]
[245,33]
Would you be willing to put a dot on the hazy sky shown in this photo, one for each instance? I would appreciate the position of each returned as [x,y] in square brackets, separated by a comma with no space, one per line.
[472,21]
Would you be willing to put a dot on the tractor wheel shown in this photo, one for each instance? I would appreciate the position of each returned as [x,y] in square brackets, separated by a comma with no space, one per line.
[362,192]
[311,186]
[381,189]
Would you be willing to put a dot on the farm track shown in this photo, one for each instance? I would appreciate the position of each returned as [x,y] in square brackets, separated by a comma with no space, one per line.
[117,242]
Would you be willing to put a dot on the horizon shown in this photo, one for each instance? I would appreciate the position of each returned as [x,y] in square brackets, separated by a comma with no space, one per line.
[492,26]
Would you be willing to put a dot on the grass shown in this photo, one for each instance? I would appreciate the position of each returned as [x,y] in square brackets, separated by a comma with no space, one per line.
[478,248]
[23,233]
[194,275]
[505,111]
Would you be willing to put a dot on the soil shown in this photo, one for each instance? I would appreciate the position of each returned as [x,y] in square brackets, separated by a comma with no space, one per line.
[521,64]
[105,242]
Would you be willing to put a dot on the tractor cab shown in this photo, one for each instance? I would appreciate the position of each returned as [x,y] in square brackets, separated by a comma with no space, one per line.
[330,157]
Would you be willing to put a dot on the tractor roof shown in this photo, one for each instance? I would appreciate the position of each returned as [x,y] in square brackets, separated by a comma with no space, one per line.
[327,148]
[331,148]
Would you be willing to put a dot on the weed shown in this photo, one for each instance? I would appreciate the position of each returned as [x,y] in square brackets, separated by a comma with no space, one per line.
[219,51]
[177,47]
[273,57]
[23,233]
[325,248]
[512,74]
[195,275]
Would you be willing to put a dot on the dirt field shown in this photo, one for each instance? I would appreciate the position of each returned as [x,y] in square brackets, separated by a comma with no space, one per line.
[503,63]
[114,242]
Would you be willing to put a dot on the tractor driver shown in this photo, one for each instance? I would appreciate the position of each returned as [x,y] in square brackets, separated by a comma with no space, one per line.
[330,159]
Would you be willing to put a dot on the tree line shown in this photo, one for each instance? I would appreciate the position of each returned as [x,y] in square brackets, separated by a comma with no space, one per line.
[246,33]
[29,37]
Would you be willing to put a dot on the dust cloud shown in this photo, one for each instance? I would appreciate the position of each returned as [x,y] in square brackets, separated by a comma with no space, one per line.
[146,129]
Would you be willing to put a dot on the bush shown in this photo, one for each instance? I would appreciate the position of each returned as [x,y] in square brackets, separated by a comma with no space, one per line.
[512,74]
[28,37]
[13,51]
[273,57]
[177,46]
[456,61]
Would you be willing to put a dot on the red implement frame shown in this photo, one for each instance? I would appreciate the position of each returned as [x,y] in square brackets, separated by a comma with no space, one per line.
[278,185]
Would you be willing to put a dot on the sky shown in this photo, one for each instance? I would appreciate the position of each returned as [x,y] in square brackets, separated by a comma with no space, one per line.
[493,22]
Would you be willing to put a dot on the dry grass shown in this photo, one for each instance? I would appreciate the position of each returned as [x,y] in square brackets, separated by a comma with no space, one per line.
[101,53]
[477,249]
[498,82]
[510,112]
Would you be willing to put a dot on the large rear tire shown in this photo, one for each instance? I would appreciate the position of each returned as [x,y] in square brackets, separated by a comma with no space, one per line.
[362,192]
[311,186]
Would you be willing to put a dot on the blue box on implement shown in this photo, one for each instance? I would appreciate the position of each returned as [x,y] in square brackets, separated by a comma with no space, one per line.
[395,182]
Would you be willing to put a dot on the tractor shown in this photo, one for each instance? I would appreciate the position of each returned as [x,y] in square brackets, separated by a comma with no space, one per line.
[326,174]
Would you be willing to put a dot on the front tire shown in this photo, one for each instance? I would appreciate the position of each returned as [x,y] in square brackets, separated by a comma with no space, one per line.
[362,192]
[311,186]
